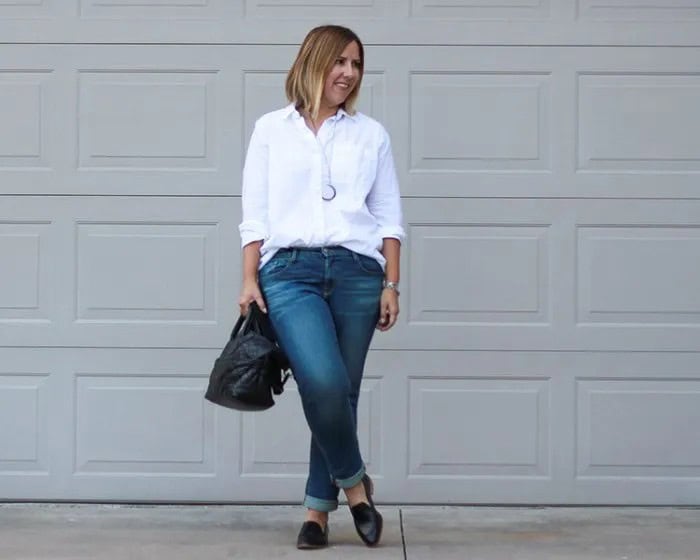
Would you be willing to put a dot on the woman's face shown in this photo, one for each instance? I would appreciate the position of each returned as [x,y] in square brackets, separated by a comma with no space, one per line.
[343,76]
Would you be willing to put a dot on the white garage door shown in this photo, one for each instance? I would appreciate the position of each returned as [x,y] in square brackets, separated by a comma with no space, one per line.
[549,154]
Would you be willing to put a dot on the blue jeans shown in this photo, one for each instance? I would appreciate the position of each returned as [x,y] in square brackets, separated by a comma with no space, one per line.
[324,306]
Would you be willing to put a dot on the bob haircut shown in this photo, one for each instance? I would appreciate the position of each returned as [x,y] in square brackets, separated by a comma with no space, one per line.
[317,54]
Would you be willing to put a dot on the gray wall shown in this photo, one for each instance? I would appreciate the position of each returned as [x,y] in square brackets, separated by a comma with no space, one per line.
[548,349]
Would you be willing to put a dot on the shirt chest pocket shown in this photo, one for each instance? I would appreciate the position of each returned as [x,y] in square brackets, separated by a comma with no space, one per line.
[354,167]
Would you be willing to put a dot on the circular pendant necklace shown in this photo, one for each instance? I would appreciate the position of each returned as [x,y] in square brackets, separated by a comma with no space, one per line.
[329,192]
[328,188]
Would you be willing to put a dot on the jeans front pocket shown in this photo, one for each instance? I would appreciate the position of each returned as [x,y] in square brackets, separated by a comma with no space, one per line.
[278,263]
[368,264]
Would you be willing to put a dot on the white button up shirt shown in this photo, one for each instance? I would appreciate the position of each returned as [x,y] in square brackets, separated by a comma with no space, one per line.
[283,184]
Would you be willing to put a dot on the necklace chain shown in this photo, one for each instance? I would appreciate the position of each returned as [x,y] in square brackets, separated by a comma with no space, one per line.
[329,192]
[329,184]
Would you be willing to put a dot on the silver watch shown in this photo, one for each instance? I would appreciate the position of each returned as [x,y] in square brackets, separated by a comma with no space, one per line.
[392,286]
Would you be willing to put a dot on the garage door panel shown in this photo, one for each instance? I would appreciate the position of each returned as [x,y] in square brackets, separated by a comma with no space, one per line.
[480,425]
[481,107]
[139,421]
[160,9]
[150,125]
[33,430]
[578,122]
[557,398]
[27,139]
[119,120]
[147,120]
[639,10]
[631,427]
[185,292]
[142,271]
[24,417]
[114,425]
[130,120]
[461,289]
[639,123]
[639,275]
[561,22]
[458,425]
[25,283]
[22,110]
[32,9]
[549,274]
[132,424]
[465,124]
[129,272]
[559,419]
[526,9]
[474,284]
[141,424]
[651,245]
[286,9]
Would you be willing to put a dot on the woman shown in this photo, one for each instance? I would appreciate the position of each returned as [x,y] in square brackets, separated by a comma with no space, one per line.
[321,235]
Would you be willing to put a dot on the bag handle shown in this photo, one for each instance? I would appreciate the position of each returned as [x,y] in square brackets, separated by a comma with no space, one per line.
[260,322]
[264,327]
[242,323]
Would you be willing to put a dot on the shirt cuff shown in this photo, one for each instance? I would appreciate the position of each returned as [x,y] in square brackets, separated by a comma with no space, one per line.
[395,232]
[252,231]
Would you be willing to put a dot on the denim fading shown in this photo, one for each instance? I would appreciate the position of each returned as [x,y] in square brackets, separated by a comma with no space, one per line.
[324,306]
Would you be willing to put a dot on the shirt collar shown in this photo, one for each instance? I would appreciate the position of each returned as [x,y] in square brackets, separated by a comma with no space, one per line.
[343,113]
[290,111]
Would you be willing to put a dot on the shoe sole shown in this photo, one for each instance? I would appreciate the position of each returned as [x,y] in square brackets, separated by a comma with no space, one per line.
[311,546]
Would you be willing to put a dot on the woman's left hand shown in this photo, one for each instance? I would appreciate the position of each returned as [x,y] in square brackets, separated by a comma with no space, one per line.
[388,309]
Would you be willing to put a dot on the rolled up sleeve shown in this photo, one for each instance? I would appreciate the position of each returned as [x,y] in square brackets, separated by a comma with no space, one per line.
[384,199]
[255,190]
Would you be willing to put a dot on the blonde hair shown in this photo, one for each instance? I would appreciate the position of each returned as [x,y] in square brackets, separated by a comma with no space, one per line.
[314,61]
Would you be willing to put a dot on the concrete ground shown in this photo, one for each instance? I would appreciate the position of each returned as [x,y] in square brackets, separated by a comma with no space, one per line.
[131,532]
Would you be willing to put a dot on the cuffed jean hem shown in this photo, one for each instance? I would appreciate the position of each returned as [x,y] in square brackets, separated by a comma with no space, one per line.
[320,505]
[352,481]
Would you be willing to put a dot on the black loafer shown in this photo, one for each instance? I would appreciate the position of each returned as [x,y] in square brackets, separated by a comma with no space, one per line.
[368,521]
[312,536]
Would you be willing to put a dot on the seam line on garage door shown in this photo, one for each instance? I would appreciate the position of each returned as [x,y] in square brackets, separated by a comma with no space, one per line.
[417,45]
[402,350]
[403,197]
[268,44]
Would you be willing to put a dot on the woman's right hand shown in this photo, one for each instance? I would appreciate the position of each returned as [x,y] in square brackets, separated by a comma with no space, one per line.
[250,291]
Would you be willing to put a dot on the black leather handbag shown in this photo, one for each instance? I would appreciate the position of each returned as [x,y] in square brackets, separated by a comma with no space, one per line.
[251,367]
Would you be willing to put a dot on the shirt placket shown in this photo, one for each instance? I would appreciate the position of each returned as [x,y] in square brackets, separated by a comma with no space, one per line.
[324,136]
[315,190]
